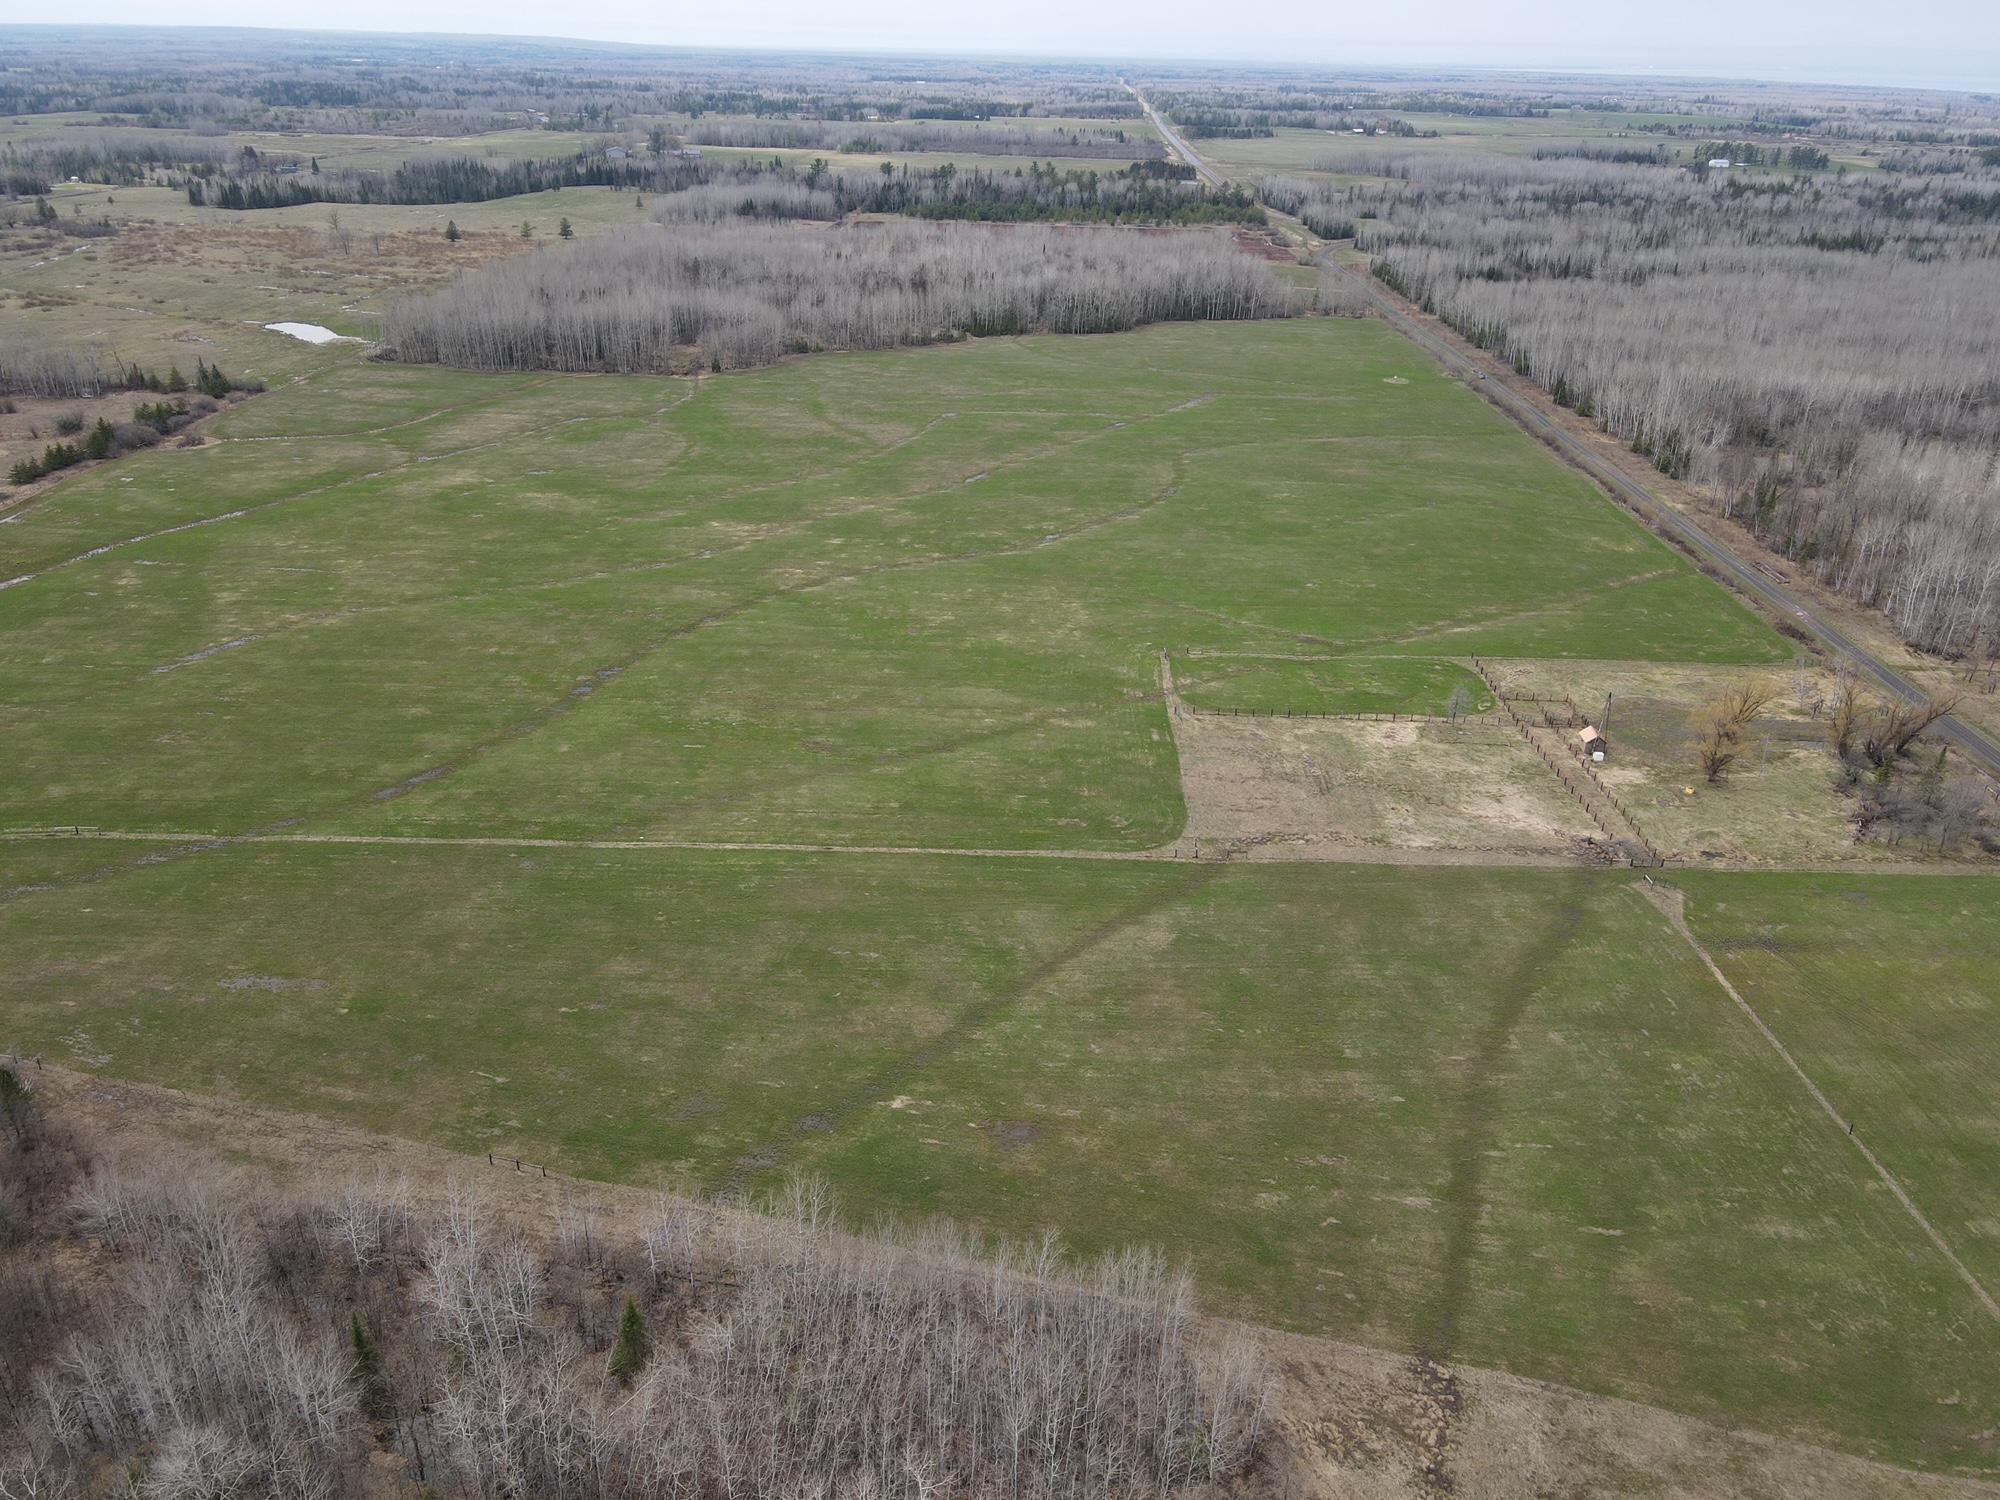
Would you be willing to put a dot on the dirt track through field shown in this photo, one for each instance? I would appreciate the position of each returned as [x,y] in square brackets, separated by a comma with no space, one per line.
[1473,1132]
[1672,903]
[900,1074]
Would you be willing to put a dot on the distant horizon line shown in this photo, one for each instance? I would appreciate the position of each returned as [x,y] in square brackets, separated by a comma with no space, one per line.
[1369,57]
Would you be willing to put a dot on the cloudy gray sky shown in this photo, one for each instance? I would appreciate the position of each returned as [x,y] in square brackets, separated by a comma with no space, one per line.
[1942,43]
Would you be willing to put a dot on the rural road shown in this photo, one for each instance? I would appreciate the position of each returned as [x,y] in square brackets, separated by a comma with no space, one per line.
[1976,745]
[1173,139]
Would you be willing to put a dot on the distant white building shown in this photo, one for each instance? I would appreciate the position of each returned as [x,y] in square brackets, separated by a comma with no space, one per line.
[617,153]
[1718,161]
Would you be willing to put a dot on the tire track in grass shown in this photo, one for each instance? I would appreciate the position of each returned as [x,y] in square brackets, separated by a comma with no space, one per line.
[415,461]
[1474,1129]
[657,565]
[1466,1201]
[584,690]
[412,461]
[896,1075]
[1672,903]
[966,739]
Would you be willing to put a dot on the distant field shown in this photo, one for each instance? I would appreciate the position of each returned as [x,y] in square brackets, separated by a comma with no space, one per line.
[915,598]
[1292,150]
[1503,1116]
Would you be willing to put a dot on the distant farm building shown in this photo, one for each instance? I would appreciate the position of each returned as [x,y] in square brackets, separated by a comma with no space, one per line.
[617,153]
[1593,741]
[1718,161]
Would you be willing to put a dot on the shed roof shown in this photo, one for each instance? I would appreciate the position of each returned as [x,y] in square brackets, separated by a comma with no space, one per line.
[1590,733]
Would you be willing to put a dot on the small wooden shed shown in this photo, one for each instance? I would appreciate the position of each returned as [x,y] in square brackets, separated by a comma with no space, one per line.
[1593,741]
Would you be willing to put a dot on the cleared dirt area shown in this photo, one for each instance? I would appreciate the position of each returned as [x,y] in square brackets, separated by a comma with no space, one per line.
[1347,1420]
[1364,1424]
[1277,788]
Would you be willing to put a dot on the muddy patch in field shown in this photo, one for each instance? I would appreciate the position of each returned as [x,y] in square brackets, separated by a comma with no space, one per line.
[405,787]
[1012,1135]
[205,653]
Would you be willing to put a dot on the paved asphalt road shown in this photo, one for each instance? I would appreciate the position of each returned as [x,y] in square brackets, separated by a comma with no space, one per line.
[1977,746]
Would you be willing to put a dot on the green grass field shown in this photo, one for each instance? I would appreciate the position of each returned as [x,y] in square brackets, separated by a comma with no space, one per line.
[919,599]
[908,599]
[1500,1115]
[1291,150]
[1337,685]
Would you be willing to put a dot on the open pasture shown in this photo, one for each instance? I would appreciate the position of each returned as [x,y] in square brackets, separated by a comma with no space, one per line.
[905,599]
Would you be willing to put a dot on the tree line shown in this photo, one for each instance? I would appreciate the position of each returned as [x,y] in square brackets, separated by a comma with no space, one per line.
[881,137]
[1801,348]
[463,86]
[117,158]
[1142,192]
[84,371]
[643,299]
[453,179]
[205,1337]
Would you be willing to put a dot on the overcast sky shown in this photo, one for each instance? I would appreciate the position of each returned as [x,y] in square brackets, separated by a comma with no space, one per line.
[1940,43]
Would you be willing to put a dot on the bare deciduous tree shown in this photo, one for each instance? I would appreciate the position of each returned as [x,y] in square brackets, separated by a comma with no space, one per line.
[768,1353]
[749,295]
[1892,727]
[1960,805]
[1796,345]
[1722,726]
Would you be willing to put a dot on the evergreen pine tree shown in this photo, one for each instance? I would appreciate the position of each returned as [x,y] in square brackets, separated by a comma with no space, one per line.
[378,1403]
[565,231]
[628,1350]
[451,231]
[14,1102]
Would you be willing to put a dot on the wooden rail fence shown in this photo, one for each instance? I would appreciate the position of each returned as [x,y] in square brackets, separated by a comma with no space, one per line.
[1651,858]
